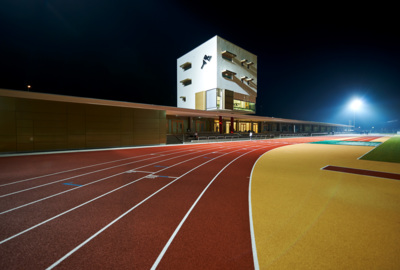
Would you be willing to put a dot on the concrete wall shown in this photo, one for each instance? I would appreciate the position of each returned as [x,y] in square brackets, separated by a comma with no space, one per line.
[203,79]
[210,76]
[235,84]
[40,125]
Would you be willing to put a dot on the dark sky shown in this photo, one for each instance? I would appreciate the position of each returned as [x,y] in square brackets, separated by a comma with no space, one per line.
[312,60]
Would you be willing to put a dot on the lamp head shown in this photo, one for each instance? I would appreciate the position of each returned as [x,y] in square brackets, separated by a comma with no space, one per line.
[356,104]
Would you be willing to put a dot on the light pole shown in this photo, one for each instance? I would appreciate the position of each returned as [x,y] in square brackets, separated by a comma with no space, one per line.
[355,105]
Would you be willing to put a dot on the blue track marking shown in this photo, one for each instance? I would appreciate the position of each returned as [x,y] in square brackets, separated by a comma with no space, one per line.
[160,166]
[353,143]
[72,184]
[163,176]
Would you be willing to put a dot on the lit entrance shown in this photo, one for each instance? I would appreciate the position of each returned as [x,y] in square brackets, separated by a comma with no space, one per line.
[216,126]
[246,126]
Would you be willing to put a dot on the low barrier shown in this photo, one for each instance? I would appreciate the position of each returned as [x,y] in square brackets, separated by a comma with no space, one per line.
[231,138]
[216,138]
[319,134]
[246,137]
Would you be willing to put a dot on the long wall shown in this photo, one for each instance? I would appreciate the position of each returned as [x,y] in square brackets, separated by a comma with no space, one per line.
[39,125]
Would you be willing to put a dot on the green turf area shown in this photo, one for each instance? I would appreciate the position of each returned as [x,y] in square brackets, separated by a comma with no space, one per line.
[354,143]
[388,151]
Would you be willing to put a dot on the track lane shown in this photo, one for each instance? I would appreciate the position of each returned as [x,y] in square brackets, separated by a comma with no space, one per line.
[141,234]
[20,199]
[16,168]
[156,218]
[73,172]
[54,206]
[22,168]
[216,234]
[63,222]
[55,185]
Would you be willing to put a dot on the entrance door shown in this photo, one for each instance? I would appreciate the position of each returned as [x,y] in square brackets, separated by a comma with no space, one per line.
[255,127]
[200,126]
[177,126]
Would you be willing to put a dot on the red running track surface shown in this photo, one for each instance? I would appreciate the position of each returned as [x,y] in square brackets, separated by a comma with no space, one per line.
[170,207]
[363,139]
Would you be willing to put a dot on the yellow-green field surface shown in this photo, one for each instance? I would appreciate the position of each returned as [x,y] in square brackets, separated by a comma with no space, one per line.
[308,218]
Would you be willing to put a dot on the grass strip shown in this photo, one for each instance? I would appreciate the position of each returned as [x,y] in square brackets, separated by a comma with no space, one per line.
[388,151]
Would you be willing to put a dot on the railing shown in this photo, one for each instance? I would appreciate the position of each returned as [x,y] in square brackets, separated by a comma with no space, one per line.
[294,135]
[319,134]
[216,137]
[232,138]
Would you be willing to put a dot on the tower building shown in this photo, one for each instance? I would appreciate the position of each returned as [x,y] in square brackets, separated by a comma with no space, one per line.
[217,76]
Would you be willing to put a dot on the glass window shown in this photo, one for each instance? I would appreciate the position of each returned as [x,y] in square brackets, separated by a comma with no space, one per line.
[244,105]
[211,99]
[227,75]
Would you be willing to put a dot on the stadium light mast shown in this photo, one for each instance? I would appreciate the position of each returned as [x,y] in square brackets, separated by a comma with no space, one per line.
[355,105]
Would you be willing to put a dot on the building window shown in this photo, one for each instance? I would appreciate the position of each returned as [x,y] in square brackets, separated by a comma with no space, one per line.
[228,74]
[186,82]
[211,99]
[219,99]
[186,66]
[228,55]
[244,105]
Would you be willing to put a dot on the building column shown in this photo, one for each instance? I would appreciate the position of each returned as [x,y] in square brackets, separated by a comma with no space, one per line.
[190,123]
[220,125]
[231,131]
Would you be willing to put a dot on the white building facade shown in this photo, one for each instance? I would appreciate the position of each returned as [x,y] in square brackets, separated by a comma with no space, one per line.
[217,76]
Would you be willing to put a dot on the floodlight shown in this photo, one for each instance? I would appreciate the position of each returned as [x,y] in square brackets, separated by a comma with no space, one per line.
[356,104]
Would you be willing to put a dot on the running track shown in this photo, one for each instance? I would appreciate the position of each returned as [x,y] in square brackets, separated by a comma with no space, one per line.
[170,207]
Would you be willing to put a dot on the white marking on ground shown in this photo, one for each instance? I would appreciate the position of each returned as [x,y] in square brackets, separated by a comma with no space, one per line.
[164,250]
[124,214]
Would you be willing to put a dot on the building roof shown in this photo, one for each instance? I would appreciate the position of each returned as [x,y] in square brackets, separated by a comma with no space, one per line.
[172,111]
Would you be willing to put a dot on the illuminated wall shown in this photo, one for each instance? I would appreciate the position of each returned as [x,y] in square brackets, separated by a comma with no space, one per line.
[37,125]
[226,73]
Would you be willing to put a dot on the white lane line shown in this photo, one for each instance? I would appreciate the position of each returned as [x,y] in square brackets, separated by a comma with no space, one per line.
[71,170]
[51,174]
[64,179]
[124,214]
[252,236]
[161,255]
[135,171]
[60,193]
[98,197]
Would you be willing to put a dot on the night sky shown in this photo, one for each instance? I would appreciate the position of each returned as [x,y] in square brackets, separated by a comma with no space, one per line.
[312,60]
